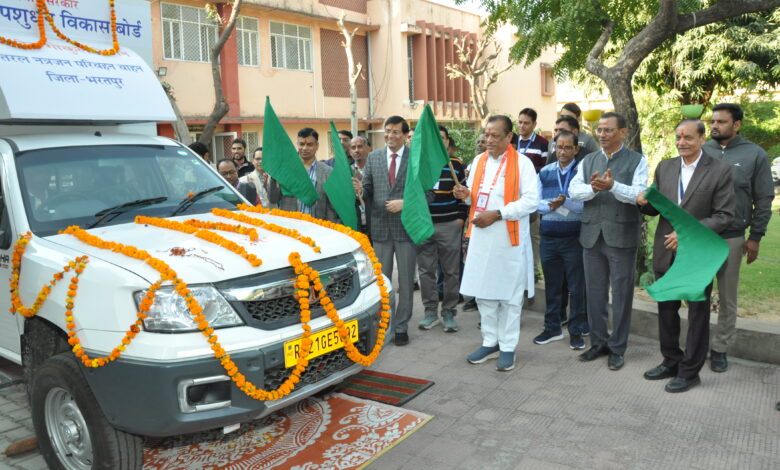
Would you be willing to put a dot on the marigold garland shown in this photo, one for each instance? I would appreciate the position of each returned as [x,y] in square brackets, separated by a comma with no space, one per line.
[40,6]
[307,277]
[202,234]
[43,14]
[234,228]
[292,233]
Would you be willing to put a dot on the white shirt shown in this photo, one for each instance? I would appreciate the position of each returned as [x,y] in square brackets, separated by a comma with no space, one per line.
[686,173]
[398,152]
[581,190]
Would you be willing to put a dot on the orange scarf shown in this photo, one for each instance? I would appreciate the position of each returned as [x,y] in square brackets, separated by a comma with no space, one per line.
[511,189]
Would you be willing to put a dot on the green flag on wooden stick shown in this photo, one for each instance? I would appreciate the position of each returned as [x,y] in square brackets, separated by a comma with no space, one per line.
[339,187]
[427,157]
[282,162]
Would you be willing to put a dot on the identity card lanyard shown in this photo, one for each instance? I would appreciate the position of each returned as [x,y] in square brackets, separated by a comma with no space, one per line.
[482,197]
[530,141]
[565,184]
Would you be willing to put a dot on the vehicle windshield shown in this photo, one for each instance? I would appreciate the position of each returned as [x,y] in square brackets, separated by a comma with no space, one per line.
[75,185]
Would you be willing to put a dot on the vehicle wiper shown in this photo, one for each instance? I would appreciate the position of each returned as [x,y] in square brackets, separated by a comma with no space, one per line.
[190,200]
[112,212]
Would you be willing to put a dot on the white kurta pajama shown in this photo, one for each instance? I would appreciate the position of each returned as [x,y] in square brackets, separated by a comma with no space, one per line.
[496,273]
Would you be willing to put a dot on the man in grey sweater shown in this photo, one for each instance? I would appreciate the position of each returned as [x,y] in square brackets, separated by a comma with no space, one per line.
[754,193]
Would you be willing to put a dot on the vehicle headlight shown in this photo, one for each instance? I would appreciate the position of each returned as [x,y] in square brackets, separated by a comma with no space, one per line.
[169,312]
[364,267]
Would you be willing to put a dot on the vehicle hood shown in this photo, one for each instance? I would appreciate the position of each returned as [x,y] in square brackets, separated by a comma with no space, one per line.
[206,262]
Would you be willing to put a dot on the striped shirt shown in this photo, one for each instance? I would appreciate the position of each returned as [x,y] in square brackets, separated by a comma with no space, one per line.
[446,207]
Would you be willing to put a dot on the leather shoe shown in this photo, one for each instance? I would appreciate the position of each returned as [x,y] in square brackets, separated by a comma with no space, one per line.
[718,361]
[615,361]
[401,339]
[594,353]
[661,372]
[679,384]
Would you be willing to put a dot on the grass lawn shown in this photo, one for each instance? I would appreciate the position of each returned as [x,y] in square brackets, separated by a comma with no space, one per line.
[759,286]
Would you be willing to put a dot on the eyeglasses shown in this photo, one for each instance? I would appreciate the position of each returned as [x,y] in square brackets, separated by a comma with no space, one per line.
[567,148]
[606,130]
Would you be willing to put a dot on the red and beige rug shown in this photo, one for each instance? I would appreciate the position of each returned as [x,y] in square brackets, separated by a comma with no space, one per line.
[335,432]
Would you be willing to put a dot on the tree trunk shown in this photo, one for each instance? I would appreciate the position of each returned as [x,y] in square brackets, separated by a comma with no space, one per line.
[221,107]
[179,126]
[353,72]
[622,96]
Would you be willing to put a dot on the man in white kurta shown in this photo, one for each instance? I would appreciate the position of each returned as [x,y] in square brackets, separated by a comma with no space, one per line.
[497,273]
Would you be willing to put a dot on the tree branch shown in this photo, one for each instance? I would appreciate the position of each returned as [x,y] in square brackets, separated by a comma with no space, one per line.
[722,10]
[593,63]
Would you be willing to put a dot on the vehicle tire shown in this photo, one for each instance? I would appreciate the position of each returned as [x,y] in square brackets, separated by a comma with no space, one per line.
[72,432]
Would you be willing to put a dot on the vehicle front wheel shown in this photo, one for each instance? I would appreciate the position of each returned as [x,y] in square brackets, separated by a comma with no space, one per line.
[72,432]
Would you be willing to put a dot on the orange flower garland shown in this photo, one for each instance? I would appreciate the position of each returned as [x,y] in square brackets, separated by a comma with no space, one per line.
[325,301]
[43,14]
[292,233]
[197,312]
[16,266]
[202,234]
[306,277]
[40,6]
[235,228]
[114,39]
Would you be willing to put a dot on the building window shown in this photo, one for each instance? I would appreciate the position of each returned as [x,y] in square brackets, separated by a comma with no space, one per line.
[251,143]
[247,36]
[188,33]
[290,46]
[548,80]
[410,66]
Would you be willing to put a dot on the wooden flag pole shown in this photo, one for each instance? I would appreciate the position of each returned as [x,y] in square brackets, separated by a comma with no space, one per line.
[453,173]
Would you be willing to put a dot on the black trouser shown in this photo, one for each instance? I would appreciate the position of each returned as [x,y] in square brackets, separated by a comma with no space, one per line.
[690,362]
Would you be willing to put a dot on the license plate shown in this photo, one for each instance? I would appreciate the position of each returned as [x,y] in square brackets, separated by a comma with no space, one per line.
[322,342]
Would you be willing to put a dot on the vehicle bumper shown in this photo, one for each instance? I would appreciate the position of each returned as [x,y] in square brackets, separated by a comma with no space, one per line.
[145,398]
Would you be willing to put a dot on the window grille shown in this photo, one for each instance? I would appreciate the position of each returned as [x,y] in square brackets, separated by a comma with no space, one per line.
[188,33]
[290,46]
[251,143]
[247,39]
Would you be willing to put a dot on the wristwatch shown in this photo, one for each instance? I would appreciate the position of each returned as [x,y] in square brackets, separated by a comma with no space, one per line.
[500,217]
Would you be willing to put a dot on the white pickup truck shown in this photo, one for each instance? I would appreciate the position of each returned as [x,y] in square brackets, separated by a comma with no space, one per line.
[59,169]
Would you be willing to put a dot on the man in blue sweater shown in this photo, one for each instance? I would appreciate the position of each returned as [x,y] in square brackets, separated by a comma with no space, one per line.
[561,252]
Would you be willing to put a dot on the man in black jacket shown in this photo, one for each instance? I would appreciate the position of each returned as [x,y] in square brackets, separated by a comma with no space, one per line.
[754,193]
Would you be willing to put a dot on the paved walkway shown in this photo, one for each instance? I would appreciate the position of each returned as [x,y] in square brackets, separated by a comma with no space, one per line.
[551,412]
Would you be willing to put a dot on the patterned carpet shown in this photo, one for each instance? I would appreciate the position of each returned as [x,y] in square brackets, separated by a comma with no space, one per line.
[336,432]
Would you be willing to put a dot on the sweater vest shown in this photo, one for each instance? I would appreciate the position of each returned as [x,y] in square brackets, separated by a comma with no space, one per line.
[554,224]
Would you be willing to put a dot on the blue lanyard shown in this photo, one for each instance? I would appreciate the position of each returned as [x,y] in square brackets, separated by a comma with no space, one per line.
[565,184]
[530,141]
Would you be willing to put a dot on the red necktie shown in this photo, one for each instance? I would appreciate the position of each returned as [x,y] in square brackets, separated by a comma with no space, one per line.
[391,175]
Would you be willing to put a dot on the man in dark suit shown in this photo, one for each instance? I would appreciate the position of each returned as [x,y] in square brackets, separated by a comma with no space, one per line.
[702,186]
[228,169]
[318,171]
[382,188]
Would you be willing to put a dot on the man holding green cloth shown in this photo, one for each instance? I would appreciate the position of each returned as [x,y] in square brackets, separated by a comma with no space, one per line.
[701,185]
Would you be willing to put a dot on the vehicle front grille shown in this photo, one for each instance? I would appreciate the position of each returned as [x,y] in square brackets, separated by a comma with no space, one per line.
[270,313]
[319,368]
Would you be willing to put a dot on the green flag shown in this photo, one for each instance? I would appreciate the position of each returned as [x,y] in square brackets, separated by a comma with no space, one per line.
[339,187]
[700,254]
[426,160]
[281,160]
